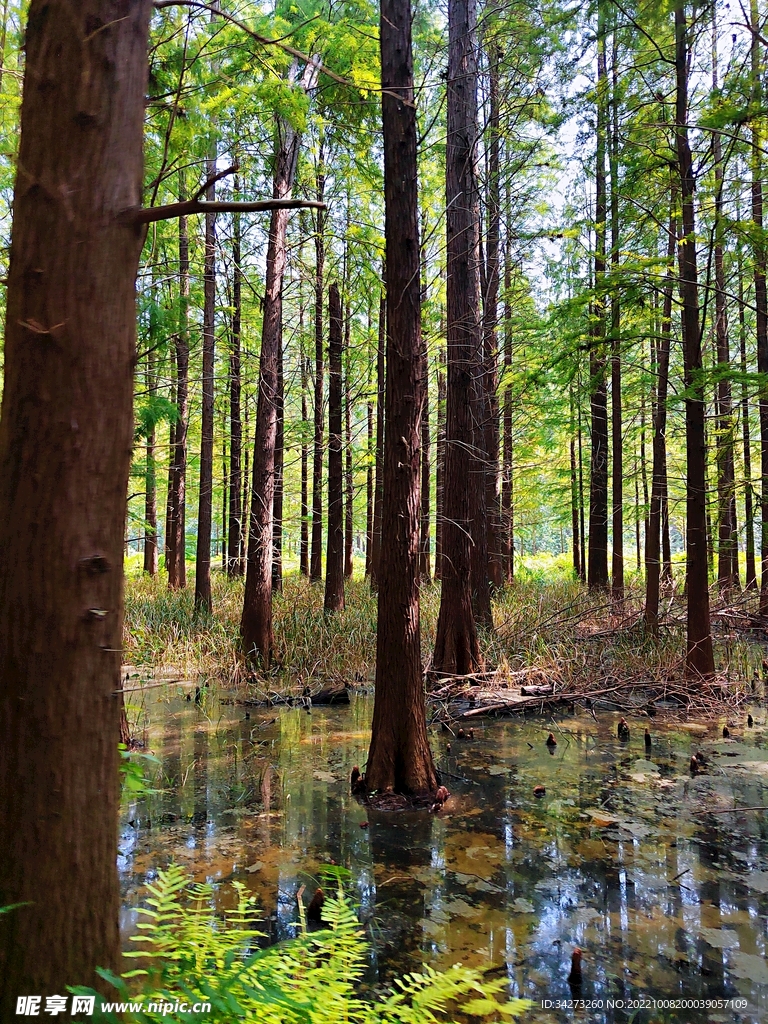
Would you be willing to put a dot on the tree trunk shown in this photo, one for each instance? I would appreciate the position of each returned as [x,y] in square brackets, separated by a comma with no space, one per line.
[617,440]
[728,538]
[176,542]
[597,577]
[234,560]
[749,516]
[203,601]
[277,503]
[150,478]
[334,559]
[496,573]
[304,542]
[400,758]
[583,573]
[440,469]
[658,472]
[66,434]
[700,658]
[316,556]
[761,298]
[456,645]
[378,500]
[507,520]
[349,489]
[256,621]
[575,545]
[370,448]
[425,571]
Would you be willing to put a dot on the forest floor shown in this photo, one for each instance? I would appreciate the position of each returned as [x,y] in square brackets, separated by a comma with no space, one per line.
[550,634]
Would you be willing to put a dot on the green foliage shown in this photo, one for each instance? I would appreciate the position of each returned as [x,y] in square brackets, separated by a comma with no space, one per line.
[189,952]
[134,782]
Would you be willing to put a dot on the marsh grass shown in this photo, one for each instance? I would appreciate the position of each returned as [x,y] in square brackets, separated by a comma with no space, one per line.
[544,620]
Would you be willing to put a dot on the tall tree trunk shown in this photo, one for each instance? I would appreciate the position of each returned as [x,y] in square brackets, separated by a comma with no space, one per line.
[234,541]
[700,657]
[316,555]
[597,577]
[761,298]
[304,542]
[728,540]
[456,645]
[66,433]
[378,500]
[425,571]
[334,559]
[749,516]
[440,469]
[203,601]
[370,448]
[659,470]
[496,571]
[617,440]
[177,530]
[349,488]
[246,490]
[150,478]
[576,545]
[399,758]
[508,545]
[583,573]
[277,502]
[256,621]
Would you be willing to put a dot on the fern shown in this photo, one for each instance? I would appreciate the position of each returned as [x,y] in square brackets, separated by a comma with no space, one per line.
[194,954]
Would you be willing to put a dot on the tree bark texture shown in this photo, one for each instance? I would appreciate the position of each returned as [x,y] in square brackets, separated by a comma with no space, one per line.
[456,645]
[66,433]
[400,758]
[316,554]
[700,657]
[749,514]
[334,558]
[349,483]
[617,440]
[176,540]
[277,503]
[234,540]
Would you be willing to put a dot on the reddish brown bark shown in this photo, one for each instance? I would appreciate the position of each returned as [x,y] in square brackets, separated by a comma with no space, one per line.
[334,559]
[456,644]
[176,540]
[65,445]
[235,565]
[400,758]
[203,599]
[256,620]
[700,656]
[277,503]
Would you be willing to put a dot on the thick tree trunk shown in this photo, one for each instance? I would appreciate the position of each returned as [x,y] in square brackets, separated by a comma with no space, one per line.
[334,559]
[66,434]
[597,577]
[256,621]
[700,657]
[203,601]
[177,526]
[400,758]
[378,499]
[507,514]
[316,554]
[234,541]
[575,544]
[456,644]
[425,571]
[370,448]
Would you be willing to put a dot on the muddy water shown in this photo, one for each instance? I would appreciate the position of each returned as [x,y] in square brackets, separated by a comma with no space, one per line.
[656,875]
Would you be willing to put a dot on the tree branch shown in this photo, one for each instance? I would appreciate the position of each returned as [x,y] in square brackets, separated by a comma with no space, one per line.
[214,178]
[190,206]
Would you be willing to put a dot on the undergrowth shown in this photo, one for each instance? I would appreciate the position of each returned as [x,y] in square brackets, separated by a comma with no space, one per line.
[545,619]
[191,955]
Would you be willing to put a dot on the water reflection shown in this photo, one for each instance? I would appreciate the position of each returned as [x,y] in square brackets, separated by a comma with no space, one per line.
[626,856]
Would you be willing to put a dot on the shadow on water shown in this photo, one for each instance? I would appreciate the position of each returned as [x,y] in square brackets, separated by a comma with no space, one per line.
[646,868]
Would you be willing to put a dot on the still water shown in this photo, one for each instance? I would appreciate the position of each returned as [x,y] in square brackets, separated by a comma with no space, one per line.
[656,875]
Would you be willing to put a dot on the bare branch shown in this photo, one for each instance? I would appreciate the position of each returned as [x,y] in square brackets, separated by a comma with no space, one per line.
[191,206]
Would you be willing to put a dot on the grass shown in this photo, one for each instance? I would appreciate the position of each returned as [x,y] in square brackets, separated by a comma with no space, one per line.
[546,619]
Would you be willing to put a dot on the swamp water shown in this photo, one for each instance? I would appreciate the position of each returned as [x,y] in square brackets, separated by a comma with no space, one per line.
[656,875]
